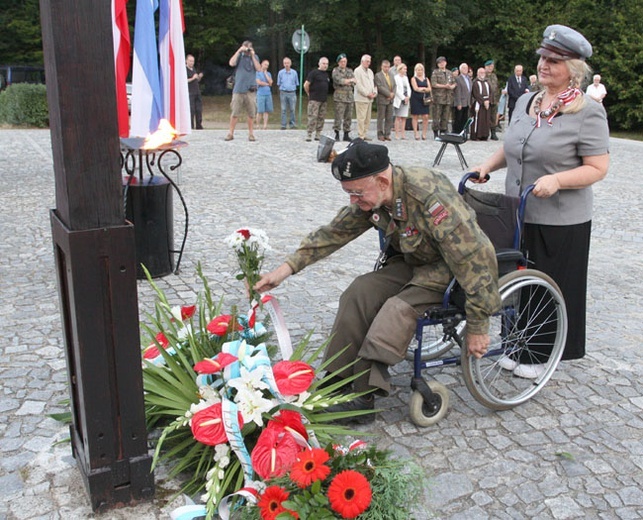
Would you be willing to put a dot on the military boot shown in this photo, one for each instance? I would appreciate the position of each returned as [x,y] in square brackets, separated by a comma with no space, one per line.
[494,137]
[346,136]
[336,135]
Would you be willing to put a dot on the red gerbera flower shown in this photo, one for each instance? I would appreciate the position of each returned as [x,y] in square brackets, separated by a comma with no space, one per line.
[270,503]
[207,425]
[274,453]
[187,312]
[219,325]
[349,494]
[309,467]
[215,364]
[293,377]
[244,232]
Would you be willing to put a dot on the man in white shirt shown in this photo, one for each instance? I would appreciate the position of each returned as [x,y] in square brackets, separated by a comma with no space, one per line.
[596,90]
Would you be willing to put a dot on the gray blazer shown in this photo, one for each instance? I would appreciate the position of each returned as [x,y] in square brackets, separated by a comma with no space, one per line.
[383,91]
[462,92]
[532,152]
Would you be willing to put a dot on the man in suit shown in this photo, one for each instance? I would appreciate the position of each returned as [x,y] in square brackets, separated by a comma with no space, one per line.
[385,84]
[462,97]
[517,85]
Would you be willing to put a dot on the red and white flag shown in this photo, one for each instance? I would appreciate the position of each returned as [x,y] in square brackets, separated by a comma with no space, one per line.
[174,79]
[122,49]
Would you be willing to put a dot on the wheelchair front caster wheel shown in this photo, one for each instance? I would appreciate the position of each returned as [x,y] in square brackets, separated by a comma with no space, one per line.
[427,414]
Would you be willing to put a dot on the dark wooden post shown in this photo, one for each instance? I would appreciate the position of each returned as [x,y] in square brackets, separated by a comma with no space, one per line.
[95,255]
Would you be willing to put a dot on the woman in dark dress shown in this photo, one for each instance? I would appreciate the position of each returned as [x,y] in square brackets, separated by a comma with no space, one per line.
[419,86]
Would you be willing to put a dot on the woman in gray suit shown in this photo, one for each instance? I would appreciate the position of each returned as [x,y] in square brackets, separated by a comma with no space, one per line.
[558,140]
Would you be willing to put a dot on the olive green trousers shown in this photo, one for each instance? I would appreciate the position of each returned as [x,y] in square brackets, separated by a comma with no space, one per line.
[376,320]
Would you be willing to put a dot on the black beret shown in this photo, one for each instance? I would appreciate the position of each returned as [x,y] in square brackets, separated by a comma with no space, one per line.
[360,159]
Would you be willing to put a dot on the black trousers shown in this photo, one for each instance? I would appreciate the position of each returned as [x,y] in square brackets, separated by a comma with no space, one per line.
[460,119]
[196,111]
[562,252]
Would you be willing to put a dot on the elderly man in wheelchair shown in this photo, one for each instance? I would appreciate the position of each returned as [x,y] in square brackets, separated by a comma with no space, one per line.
[430,236]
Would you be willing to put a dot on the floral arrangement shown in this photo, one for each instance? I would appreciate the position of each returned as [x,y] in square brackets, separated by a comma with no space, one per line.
[338,482]
[235,415]
[230,415]
[249,244]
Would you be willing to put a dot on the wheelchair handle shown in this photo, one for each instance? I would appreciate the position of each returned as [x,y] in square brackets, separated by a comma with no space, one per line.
[470,175]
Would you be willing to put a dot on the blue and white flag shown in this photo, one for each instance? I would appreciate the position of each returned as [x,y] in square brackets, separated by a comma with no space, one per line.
[147,106]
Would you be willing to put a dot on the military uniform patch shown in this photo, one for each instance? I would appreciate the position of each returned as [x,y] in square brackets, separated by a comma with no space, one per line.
[400,209]
[438,212]
[410,231]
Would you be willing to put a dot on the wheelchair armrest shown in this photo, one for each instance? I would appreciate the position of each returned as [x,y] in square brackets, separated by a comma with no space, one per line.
[509,260]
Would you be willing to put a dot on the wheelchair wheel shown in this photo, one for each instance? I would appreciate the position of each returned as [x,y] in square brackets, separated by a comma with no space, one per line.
[421,414]
[433,345]
[533,316]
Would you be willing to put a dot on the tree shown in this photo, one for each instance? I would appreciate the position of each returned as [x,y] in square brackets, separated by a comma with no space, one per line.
[20,38]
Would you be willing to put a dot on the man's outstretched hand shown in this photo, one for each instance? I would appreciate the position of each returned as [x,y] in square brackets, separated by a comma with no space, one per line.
[272,279]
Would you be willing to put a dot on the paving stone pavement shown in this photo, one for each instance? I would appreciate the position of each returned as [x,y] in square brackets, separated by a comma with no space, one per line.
[574,451]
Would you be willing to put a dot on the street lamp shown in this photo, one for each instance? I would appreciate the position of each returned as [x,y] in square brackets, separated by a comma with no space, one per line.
[301,44]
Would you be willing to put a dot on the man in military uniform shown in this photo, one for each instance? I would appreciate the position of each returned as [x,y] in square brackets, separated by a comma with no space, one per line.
[442,85]
[494,88]
[343,82]
[431,236]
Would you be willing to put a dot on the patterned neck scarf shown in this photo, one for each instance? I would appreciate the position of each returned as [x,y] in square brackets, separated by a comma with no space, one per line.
[565,98]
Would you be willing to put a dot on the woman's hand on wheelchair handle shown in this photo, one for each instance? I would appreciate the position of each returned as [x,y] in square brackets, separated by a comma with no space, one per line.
[477,344]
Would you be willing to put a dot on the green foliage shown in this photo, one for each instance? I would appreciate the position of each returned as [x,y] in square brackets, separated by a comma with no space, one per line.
[20,38]
[24,104]
[463,30]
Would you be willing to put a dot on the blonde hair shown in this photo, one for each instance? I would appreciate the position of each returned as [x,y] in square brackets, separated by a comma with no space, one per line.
[579,71]
[418,66]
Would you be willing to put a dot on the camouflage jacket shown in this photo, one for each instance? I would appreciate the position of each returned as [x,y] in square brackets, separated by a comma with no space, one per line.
[492,79]
[433,228]
[442,96]
[343,93]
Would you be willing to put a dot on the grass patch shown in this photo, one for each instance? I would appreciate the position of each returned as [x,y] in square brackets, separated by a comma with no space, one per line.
[216,112]
[633,136]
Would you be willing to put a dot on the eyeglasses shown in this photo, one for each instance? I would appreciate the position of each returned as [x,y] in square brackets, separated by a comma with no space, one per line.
[357,193]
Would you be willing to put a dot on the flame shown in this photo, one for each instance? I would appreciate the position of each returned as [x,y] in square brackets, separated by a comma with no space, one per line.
[164,135]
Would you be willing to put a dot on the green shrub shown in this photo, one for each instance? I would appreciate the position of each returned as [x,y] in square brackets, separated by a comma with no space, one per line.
[24,104]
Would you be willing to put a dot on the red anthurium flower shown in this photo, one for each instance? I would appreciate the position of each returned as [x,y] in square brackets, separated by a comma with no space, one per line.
[274,453]
[310,467]
[215,364]
[151,352]
[293,377]
[349,494]
[270,503]
[187,312]
[289,420]
[162,340]
[219,325]
[207,425]
[244,232]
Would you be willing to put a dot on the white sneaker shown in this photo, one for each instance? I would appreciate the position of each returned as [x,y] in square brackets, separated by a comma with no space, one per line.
[508,364]
[530,371]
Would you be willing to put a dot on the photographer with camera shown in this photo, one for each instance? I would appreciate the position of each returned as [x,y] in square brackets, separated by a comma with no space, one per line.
[244,93]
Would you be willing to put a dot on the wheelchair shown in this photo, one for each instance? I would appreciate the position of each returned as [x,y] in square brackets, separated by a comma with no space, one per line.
[533,316]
